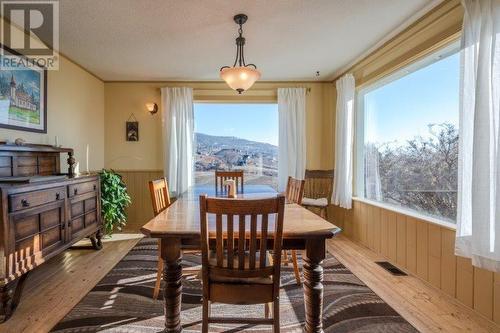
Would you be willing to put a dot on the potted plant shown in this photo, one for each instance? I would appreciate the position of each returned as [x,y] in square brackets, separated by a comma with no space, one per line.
[114,200]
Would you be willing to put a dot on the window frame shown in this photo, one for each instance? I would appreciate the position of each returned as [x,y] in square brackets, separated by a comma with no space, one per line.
[359,139]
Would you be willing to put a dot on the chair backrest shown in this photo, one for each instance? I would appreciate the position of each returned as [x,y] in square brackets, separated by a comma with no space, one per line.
[241,230]
[221,176]
[319,184]
[295,190]
[160,198]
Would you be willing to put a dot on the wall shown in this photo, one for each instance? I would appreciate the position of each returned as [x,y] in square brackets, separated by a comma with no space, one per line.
[124,98]
[75,113]
[141,161]
[419,247]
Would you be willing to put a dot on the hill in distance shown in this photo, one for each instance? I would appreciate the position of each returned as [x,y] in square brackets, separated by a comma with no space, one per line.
[213,142]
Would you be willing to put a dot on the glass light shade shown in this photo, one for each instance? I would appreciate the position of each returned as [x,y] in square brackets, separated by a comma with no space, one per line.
[152,107]
[239,78]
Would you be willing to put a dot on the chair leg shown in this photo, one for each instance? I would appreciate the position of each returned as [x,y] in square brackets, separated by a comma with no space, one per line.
[206,311]
[285,257]
[266,310]
[296,270]
[159,273]
[324,213]
[276,315]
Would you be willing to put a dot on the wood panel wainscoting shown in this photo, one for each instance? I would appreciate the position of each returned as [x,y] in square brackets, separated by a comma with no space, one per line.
[140,211]
[422,249]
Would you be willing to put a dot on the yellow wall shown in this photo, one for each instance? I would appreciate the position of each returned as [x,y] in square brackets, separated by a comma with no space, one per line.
[75,113]
[124,98]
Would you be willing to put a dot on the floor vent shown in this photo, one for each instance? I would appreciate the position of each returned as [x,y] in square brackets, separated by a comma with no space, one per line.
[391,268]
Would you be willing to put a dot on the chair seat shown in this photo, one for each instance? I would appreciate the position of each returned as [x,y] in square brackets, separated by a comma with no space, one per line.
[212,259]
[320,202]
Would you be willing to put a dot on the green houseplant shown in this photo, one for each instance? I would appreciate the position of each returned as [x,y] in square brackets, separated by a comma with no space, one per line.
[114,200]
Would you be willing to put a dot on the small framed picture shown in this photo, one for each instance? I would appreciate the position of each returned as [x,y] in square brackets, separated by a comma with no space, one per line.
[132,131]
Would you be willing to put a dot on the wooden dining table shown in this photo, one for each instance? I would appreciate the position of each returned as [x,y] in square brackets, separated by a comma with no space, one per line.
[178,228]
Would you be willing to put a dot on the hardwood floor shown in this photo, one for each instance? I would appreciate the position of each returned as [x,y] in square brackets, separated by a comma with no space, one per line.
[424,306]
[67,278]
[72,274]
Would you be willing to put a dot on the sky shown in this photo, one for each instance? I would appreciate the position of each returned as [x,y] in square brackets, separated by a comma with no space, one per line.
[402,109]
[255,122]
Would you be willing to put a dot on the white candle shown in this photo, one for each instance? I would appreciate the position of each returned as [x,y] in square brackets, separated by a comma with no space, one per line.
[87,158]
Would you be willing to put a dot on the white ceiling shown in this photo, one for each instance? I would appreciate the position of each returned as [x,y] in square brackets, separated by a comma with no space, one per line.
[191,39]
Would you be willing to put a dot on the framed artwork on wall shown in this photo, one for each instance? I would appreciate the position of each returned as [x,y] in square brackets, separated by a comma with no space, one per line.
[132,129]
[23,93]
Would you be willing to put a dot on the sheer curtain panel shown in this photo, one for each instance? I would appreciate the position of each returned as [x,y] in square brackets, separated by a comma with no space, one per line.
[292,134]
[178,137]
[478,220]
[344,132]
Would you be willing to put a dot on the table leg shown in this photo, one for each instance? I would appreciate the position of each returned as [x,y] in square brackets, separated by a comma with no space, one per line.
[313,285]
[171,255]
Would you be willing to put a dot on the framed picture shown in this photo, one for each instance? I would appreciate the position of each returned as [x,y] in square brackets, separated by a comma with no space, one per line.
[132,131]
[23,94]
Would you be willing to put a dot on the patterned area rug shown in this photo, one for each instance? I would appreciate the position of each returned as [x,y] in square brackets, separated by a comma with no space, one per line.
[122,302]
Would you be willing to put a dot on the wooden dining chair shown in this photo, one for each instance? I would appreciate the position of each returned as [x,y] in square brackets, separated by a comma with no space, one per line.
[294,193]
[221,176]
[235,265]
[318,191]
[160,199]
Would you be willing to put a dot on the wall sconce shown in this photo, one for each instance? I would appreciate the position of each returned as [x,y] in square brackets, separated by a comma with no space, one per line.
[152,108]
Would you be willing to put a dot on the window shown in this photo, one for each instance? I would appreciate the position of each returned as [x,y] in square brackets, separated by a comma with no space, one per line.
[237,136]
[407,148]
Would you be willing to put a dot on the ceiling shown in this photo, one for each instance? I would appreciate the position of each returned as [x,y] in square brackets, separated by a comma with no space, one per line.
[160,40]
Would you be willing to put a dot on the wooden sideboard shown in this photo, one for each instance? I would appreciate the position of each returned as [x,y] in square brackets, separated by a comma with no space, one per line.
[40,216]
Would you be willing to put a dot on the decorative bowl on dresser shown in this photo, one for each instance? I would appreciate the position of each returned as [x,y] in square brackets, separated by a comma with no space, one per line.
[42,213]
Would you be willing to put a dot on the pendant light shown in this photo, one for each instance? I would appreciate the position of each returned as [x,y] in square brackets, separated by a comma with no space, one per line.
[241,76]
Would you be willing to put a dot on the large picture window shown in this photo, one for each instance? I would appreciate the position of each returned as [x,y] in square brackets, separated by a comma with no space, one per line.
[407,147]
[237,137]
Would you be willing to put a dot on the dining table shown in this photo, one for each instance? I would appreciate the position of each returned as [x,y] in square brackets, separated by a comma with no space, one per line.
[178,229]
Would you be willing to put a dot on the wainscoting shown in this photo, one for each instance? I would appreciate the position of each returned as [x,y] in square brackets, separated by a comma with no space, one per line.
[423,249]
[140,211]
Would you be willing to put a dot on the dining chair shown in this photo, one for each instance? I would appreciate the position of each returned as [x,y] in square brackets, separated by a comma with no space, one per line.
[318,191]
[235,265]
[294,193]
[160,199]
[221,176]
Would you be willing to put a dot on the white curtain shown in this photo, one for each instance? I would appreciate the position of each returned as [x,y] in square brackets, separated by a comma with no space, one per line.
[478,221]
[344,131]
[178,137]
[292,134]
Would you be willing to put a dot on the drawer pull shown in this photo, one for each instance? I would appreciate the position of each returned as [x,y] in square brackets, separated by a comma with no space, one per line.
[69,224]
[58,196]
[62,226]
[25,203]
[95,187]
[75,191]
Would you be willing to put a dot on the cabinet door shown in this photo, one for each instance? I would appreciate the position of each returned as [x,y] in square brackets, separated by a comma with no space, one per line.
[84,215]
[36,233]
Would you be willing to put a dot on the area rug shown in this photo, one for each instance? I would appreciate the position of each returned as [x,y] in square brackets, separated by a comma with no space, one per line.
[122,302]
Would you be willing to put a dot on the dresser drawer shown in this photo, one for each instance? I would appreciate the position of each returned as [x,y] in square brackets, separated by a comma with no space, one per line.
[81,188]
[36,198]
